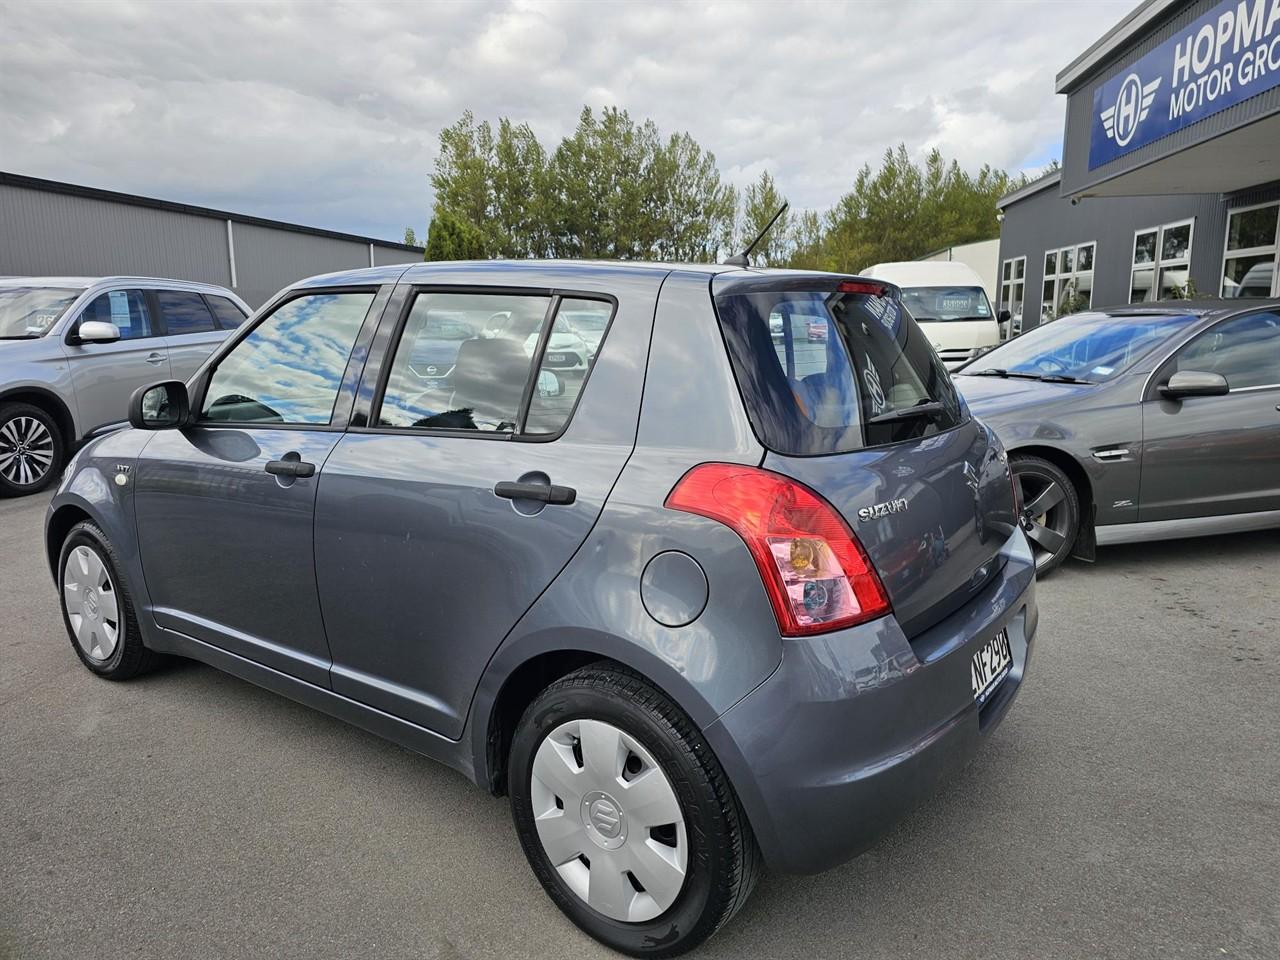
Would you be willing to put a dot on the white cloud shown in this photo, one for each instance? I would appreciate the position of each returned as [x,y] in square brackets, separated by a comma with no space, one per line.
[328,114]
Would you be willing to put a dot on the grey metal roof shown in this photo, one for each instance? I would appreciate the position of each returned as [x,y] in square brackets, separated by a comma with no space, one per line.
[112,196]
[1111,42]
[1035,186]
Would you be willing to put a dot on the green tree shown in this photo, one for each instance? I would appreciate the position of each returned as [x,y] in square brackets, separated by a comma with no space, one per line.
[410,238]
[695,212]
[451,238]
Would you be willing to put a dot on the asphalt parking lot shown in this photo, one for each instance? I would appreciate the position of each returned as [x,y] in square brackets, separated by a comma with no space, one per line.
[1128,807]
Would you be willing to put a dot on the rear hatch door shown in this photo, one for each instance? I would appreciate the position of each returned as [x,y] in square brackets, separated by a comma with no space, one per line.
[867,416]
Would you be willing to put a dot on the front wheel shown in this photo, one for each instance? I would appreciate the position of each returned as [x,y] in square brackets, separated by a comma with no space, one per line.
[97,608]
[626,817]
[32,449]
[1048,510]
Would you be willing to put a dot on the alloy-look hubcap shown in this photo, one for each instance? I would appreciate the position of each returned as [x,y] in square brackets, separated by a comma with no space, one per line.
[26,450]
[609,820]
[91,603]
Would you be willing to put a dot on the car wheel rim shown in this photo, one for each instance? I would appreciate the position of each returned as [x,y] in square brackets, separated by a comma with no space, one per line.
[1044,515]
[608,820]
[26,451]
[92,604]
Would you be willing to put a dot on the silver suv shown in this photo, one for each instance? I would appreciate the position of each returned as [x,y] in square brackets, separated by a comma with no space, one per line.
[73,350]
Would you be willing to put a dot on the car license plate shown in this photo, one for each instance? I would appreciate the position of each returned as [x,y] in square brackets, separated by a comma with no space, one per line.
[556,357]
[990,665]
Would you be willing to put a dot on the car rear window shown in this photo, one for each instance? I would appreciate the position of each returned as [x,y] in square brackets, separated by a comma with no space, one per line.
[829,366]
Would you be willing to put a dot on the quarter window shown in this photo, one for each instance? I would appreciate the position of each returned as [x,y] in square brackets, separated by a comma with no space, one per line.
[228,314]
[184,312]
[1162,263]
[1245,350]
[289,368]
[1252,261]
[1013,277]
[126,309]
[1068,281]
[571,352]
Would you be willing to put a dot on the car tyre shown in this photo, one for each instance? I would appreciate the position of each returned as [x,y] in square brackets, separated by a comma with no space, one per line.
[660,754]
[97,607]
[1048,510]
[32,449]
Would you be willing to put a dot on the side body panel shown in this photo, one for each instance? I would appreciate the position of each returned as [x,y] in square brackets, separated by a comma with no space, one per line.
[1081,422]
[691,413]
[1211,456]
[423,569]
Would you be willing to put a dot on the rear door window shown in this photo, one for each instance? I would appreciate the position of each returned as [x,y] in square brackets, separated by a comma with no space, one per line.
[847,367]
[184,312]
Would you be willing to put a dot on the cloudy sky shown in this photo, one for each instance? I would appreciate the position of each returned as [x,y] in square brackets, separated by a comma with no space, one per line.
[327,114]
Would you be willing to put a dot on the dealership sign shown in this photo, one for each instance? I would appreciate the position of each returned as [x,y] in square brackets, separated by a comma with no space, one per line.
[1230,54]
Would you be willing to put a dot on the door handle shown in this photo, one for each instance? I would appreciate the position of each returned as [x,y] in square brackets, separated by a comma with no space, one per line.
[290,468]
[155,358]
[546,492]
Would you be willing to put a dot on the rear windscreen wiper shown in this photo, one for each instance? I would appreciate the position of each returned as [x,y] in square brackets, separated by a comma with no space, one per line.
[926,408]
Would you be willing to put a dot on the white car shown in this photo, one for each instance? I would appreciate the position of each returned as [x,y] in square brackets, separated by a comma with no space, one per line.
[947,299]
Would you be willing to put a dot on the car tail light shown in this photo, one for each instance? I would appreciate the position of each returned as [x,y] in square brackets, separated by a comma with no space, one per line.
[862,286]
[815,572]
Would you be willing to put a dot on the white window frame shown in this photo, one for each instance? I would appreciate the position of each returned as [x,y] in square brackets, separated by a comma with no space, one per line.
[1158,264]
[1049,311]
[1006,292]
[1273,249]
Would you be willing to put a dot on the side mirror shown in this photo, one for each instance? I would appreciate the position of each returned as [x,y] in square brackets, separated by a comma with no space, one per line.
[1191,383]
[1004,317]
[160,406]
[97,331]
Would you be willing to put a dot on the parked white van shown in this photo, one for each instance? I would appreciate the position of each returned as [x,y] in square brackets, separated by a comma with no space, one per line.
[948,301]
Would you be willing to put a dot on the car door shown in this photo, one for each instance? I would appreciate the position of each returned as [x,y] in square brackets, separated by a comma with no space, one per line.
[1212,456]
[441,521]
[105,375]
[190,331]
[224,508]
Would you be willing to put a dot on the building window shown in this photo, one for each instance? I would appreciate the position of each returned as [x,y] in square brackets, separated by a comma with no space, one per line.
[1251,261]
[1162,263]
[1013,288]
[1068,281]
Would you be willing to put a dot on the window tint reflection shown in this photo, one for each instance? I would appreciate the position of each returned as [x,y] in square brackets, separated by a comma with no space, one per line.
[289,368]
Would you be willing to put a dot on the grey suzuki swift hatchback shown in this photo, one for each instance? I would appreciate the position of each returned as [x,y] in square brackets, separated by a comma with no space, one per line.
[698,594]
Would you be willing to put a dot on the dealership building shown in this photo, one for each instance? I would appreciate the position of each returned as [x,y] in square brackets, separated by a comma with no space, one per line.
[1170,178]
[50,228]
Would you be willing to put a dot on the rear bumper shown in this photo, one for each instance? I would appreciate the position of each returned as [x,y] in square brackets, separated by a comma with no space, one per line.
[856,727]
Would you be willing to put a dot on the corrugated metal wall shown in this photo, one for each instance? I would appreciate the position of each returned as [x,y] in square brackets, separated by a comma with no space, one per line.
[1076,174]
[1046,221]
[52,233]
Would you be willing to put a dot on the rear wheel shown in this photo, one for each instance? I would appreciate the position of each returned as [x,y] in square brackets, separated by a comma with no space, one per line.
[1048,510]
[625,816]
[31,449]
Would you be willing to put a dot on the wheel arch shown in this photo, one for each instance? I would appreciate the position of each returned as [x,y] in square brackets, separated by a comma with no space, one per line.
[1079,477]
[56,528]
[522,669]
[50,403]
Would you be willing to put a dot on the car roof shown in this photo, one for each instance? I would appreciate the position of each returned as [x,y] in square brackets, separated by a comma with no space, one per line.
[1188,308]
[91,281]
[536,272]
[924,273]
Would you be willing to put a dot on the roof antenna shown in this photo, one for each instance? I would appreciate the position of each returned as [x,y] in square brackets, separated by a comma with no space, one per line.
[741,259]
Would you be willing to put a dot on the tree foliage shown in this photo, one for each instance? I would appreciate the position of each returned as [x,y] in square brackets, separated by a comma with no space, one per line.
[616,188]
